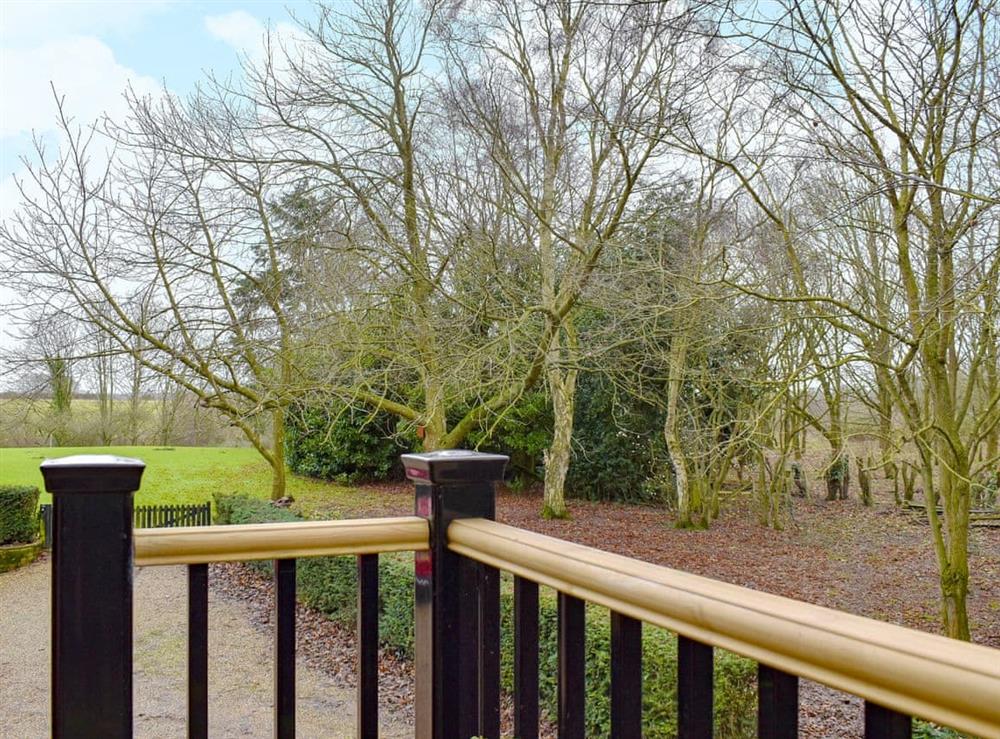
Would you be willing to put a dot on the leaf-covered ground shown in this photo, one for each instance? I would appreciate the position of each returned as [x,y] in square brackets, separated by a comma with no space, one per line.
[876,562]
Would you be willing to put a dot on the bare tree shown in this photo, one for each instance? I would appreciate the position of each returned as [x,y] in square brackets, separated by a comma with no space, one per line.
[571,101]
[898,95]
[151,251]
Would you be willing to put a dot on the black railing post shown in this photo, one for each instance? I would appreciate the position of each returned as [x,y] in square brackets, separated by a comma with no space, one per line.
[92,594]
[451,605]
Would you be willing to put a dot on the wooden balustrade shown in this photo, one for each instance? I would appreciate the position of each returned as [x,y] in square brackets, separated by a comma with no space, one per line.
[459,555]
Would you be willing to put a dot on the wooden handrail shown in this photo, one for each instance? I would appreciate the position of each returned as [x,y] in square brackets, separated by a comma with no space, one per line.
[201,544]
[950,682]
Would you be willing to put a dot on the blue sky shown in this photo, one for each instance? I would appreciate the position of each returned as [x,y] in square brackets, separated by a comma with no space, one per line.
[91,49]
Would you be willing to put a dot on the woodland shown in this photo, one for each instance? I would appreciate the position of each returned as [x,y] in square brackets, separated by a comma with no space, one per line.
[658,252]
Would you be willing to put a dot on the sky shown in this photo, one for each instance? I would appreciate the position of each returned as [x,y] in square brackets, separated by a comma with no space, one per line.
[90,50]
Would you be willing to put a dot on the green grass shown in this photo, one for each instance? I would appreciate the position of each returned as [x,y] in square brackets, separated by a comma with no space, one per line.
[185,474]
[173,475]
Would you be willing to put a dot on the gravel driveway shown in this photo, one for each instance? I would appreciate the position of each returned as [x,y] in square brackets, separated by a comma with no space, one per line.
[239,667]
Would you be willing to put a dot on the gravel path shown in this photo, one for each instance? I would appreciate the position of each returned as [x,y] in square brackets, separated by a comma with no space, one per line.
[239,668]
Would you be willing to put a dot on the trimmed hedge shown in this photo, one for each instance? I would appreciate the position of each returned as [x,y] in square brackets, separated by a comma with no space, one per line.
[329,584]
[18,514]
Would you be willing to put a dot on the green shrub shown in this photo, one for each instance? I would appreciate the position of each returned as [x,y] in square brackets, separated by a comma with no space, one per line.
[335,442]
[523,433]
[329,584]
[617,444]
[735,677]
[927,730]
[234,508]
[18,514]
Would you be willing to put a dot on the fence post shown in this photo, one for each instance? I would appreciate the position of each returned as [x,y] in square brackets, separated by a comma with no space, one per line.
[454,604]
[45,512]
[92,594]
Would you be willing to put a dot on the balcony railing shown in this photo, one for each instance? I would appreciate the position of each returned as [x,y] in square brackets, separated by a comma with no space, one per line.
[459,554]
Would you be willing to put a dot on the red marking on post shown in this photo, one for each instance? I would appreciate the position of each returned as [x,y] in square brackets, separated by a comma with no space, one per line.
[423,565]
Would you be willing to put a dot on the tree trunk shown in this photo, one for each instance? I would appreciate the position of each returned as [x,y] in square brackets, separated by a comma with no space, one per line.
[675,448]
[838,474]
[562,385]
[61,387]
[277,459]
[864,482]
[135,403]
[435,426]
[954,589]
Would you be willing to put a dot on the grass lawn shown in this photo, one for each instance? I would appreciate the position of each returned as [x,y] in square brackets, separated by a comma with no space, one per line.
[179,474]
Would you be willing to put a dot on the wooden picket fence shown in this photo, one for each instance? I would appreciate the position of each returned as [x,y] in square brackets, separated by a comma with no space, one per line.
[147,517]
[169,516]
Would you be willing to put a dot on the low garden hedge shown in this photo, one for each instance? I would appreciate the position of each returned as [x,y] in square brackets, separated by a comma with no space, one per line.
[18,514]
[329,584]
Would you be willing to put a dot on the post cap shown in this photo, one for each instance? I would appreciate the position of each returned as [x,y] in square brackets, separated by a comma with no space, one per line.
[92,473]
[454,465]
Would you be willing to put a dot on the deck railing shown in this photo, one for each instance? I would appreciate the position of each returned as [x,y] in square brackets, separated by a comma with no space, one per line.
[459,554]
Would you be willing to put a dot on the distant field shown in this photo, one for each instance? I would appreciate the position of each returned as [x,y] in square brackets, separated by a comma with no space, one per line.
[181,474]
[29,422]
[173,475]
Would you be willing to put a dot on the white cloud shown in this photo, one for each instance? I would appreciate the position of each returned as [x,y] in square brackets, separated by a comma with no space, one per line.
[83,69]
[246,34]
[28,22]
[239,29]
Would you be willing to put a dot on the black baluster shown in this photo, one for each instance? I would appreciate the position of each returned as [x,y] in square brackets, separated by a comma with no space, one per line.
[626,677]
[777,704]
[489,652]
[884,723]
[694,689]
[572,667]
[367,646]
[284,648]
[525,659]
[198,651]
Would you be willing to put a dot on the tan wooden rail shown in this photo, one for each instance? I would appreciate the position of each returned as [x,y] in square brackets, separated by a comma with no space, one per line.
[198,544]
[950,682]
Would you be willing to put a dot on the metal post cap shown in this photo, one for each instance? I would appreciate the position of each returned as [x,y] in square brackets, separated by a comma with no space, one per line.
[92,473]
[454,465]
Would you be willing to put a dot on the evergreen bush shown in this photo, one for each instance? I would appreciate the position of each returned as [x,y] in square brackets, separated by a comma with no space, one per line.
[336,442]
[523,433]
[18,514]
[617,445]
